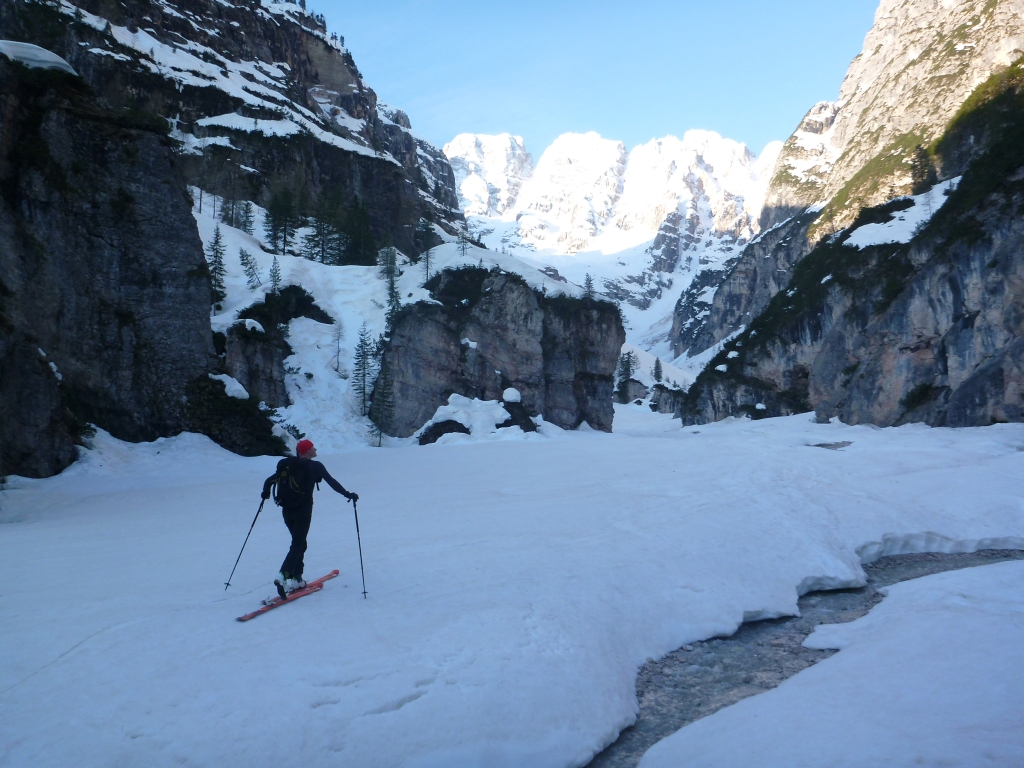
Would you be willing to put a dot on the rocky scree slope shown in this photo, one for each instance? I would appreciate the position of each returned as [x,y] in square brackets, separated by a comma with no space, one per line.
[261,99]
[486,331]
[928,330]
[920,62]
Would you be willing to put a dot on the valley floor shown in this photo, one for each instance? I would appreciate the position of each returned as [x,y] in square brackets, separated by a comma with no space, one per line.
[515,588]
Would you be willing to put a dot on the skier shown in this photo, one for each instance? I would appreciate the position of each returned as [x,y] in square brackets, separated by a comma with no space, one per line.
[293,483]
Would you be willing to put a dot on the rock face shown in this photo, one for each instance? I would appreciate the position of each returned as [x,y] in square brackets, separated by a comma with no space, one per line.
[490,332]
[261,99]
[630,391]
[886,333]
[104,289]
[920,62]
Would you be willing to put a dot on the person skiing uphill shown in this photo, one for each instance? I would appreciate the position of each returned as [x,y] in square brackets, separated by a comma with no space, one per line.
[293,484]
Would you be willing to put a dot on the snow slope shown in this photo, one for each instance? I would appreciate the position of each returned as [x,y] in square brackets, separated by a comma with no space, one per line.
[643,223]
[930,677]
[514,587]
[904,223]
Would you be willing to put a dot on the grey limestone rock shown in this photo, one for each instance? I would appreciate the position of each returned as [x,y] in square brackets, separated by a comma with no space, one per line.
[104,287]
[489,332]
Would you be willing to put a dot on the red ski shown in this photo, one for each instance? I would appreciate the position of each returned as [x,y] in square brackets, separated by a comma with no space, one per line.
[310,588]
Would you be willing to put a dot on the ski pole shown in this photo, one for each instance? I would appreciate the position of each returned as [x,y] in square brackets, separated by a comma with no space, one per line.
[360,541]
[228,582]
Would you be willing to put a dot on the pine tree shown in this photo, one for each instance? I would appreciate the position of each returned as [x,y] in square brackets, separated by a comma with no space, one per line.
[336,338]
[387,261]
[247,218]
[365,369]
[922,172]
[280,220]
[627,366]
[588,287]
[250,268]
[326,243]
[215,258]
[382,407]
[657,372]
[428,256]
[463,243]
[275,276]
[227,212]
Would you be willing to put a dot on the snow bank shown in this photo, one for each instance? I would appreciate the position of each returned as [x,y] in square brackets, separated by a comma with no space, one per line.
[514,587]
[481,418]
[907,222]
[33,56]
[931,676]
[231,386]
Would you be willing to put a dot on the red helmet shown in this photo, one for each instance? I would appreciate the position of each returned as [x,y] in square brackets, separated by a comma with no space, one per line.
[304,447]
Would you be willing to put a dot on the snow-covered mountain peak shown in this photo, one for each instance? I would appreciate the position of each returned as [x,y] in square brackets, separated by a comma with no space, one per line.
[573,191]
[644,224]
[489,171]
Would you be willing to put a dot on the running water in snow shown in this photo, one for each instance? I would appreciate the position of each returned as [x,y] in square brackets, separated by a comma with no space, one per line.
[931,676]
[514,587]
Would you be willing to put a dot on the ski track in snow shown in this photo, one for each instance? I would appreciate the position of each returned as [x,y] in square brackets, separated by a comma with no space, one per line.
[515,587]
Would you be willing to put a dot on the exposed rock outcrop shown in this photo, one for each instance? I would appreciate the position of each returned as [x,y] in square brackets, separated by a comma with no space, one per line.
[490,331]
[920,62]
[256,346]
[666,400]
[930,330]
[261,99]
[631,390]
[104,289]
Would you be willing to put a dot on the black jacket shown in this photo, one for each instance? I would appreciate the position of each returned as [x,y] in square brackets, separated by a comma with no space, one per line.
[315,473]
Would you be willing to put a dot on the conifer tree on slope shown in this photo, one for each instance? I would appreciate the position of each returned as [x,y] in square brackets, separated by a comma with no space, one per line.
[382,406]
[275,276]
[215,258]
[250,268]
[247,218]
[365,369]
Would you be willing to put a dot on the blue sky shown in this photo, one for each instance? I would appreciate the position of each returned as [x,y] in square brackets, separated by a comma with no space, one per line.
[630,71]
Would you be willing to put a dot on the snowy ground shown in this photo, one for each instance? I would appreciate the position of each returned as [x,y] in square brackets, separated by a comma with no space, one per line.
[514,587]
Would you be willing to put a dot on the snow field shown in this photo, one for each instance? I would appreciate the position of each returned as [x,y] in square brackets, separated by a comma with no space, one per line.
[514,587]
[931,676]
[904,223]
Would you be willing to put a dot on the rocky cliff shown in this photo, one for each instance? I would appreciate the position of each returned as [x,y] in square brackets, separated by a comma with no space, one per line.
[261,100]
[920,62]
[882,328]
[104,290]
[487,331]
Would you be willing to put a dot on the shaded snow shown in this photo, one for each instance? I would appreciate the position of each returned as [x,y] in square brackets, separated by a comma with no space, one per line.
[34,57]
[514,589]
[231,386]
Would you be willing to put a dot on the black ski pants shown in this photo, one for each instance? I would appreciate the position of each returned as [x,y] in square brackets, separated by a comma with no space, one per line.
[297,519]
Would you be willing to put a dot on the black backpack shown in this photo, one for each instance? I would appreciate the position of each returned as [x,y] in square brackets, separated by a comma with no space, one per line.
[293,485]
